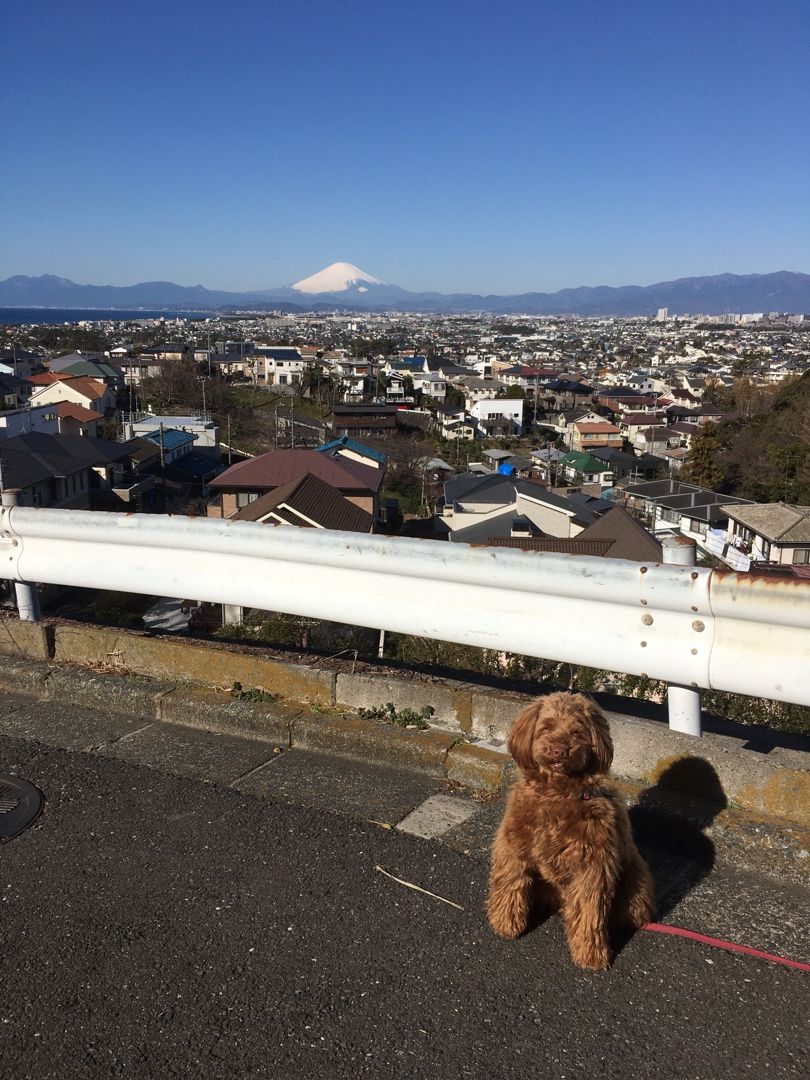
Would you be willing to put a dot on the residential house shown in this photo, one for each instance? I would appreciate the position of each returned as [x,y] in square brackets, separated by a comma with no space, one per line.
[91,365]
[247,481]
[499,416]
[73,419]
[15,392]
[619,400]
[175,351]
[580,468]
[94,395]
[399,388]
[24,421]
[614,535]
[476,389]
[21,362]
[629,466]
[631,423]
[226,365]
[185,471]
[145,366]
[352,450]
[770,532]
[477,507]
[64,471]
[653,440]
[275,365]
[204,431]
[363,419]
[675,506]
[588,436]
[310,503]
[354,376]
[430,383]
[453,422]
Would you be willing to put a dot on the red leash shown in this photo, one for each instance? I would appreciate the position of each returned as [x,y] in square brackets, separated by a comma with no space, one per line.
[718,943]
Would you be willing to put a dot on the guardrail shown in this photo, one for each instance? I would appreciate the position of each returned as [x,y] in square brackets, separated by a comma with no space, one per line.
[690,626]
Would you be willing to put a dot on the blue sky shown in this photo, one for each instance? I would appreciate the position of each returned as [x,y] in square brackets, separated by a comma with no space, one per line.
[444,145]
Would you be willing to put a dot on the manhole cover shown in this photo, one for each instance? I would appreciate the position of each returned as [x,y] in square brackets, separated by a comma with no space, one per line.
[20,804]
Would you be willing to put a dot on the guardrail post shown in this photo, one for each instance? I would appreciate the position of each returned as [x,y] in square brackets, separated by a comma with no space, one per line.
[26,593]
[683,702]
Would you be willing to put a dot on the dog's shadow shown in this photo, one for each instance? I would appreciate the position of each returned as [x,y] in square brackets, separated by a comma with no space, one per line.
[668,822]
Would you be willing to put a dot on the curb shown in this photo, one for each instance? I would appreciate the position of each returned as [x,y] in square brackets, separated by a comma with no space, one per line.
[279,722]
[752,769]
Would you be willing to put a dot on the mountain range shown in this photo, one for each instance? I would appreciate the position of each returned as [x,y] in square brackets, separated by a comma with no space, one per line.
[343,286]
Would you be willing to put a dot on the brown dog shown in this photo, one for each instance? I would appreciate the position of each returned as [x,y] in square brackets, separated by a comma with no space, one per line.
[565,842]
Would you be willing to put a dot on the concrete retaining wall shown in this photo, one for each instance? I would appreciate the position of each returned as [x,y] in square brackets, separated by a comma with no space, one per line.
[189,682]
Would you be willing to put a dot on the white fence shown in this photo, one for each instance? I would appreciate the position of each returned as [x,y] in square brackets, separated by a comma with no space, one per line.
[690,626]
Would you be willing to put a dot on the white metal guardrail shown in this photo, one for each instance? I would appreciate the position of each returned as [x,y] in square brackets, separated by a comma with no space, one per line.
[690,626]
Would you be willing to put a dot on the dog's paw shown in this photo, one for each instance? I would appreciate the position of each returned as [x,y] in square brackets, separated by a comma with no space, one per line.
[506,924]
[590,958]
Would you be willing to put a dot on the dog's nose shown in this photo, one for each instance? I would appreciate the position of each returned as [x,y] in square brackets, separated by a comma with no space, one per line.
[556,751]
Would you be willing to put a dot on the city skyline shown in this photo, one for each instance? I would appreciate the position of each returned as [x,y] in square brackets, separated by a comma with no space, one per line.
[440,150]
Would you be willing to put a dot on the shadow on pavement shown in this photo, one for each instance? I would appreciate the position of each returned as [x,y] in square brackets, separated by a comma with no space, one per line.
[668,824]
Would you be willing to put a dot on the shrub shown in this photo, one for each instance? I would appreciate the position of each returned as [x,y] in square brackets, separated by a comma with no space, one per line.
[389,714]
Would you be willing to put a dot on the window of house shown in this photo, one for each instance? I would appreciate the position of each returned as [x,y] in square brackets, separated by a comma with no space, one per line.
[801,555]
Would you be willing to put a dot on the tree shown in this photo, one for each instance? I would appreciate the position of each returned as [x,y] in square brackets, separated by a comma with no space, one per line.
[701,465]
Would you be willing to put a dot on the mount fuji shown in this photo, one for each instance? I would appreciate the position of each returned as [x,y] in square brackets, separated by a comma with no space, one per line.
[338,277]
[343,284]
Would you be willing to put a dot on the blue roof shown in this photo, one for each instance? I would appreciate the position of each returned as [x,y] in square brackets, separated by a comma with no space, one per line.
[198,464]
[172,438]
[344,442]
[278,352]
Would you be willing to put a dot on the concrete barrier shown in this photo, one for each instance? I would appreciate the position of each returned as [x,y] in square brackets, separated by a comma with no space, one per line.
[449,699]
[31,640]
[188,682]
[210,664]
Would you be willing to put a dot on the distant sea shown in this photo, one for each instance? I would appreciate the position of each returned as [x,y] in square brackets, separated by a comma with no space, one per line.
[48,316]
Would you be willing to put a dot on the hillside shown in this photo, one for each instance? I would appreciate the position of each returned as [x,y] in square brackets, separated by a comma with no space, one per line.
[765,457]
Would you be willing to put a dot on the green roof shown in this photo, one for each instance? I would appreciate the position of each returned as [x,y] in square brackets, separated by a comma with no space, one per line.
[583,462]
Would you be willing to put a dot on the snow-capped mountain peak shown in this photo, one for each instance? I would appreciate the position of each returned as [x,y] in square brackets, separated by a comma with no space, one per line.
[338,277]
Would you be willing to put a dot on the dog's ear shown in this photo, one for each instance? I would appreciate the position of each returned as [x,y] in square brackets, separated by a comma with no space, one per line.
[601,742]
[521,736]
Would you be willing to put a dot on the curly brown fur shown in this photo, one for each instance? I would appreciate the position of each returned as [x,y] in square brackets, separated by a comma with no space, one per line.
[565,842]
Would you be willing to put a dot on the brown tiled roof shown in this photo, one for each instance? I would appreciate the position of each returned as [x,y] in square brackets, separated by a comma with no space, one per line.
[630,540]
[87,387]
[72,411]
[364,423]
[560,545]
[615,535]
[597,429]
[44,378]
[269,471]
[304,501]
[142,450]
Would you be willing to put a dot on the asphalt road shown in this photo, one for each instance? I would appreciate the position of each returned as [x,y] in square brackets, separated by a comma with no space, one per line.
[157,926]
